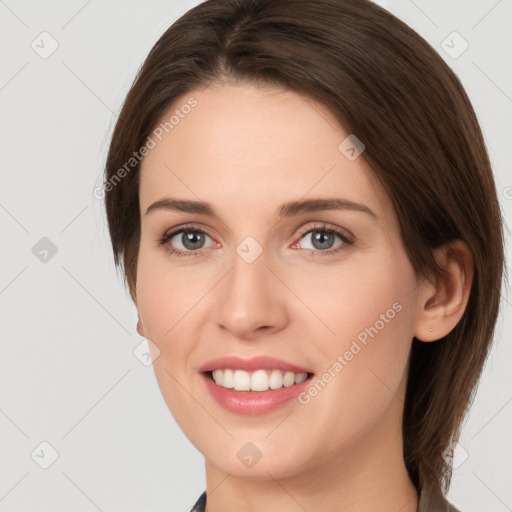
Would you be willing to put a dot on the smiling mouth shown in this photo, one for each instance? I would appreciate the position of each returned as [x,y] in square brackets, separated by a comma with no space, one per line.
[256,381]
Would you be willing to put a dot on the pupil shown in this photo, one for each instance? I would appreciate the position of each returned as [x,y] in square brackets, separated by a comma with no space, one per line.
[321,237]
[192,240]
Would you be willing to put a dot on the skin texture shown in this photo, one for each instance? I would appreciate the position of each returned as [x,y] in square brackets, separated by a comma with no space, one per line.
[246,150]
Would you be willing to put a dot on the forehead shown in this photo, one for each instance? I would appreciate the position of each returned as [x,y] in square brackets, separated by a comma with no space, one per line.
[248,147]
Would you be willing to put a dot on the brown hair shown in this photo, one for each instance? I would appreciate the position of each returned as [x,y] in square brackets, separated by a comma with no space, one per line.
[390,88]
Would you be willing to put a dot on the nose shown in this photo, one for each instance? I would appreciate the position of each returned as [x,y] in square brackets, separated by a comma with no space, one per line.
[252,300]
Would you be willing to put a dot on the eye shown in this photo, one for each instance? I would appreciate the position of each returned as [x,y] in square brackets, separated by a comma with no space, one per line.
[185,241]
[322,238]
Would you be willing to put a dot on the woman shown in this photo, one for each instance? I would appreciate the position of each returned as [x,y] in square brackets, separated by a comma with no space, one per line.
[303,205]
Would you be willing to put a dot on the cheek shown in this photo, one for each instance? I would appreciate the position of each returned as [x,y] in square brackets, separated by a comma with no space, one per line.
[367,315]
[374,325]
[165,293]
[173,304]
[166,296]
[361,299]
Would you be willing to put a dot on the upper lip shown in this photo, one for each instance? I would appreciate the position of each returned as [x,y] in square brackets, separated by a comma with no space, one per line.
[254,363]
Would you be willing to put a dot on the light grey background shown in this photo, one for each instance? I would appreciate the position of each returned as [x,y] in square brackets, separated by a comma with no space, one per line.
[68,373]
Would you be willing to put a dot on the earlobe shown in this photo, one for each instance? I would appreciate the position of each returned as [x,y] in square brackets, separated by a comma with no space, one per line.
[443,302]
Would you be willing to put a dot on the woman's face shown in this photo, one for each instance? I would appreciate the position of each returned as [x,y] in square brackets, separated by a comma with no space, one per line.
[328,291]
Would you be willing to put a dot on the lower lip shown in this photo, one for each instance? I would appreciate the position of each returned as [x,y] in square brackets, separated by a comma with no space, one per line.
[253,402]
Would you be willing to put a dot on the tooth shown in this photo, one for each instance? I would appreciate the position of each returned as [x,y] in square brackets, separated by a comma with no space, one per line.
[300,377]
[228,379]
[242,381]
[276,380]
[218,377]
[289,379]
[259,381]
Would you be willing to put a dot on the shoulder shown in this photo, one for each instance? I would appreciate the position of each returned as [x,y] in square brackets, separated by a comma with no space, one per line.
[199,505]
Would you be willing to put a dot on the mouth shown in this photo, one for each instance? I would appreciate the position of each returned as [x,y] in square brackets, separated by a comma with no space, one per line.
[254,386]
[260,380]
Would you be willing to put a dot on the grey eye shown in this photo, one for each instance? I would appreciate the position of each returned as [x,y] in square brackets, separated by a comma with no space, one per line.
[321,239]
[190,240]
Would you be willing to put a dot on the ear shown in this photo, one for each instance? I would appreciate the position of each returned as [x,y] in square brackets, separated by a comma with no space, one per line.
[140,328]
[442,303]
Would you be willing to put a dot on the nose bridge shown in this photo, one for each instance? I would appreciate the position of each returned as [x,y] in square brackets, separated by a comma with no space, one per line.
[251,295]
[251,274]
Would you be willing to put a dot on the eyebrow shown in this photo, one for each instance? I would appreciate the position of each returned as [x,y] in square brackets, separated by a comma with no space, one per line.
[285,210]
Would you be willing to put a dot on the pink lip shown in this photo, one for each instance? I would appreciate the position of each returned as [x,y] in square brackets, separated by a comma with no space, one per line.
[255,363]
[253,403]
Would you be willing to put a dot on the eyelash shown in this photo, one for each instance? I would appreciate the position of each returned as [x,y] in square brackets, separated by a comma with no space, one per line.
[347,239]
